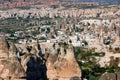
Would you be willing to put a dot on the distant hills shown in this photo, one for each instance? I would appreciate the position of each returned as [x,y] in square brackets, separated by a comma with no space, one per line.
[94,0]
[2,1]
[19,3]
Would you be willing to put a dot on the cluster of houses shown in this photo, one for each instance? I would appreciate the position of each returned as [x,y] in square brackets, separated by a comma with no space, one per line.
[89,31]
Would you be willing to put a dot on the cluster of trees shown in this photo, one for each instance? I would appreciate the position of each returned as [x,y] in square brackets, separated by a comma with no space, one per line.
[91,69]
[9,25]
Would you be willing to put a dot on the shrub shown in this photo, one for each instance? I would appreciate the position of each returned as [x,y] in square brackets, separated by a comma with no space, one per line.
[117,49]
[42,38]
[85,42]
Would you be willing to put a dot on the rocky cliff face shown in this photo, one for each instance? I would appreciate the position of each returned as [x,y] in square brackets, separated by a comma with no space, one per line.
[63,66]
[30,63]
[50,63]
[4,48]
[10,67]
[110,76]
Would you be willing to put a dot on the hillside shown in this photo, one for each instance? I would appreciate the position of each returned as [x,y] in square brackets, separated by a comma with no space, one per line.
[5,1]
[21,3]
[94,0]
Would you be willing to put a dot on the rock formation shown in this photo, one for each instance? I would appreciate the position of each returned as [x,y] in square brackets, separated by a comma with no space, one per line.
[22,3]
[10,67]
[12,51]
[3,48]
[34,65]
[110,76]
[63,67]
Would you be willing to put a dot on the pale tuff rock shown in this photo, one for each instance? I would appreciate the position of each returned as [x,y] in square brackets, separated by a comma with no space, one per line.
[62,52]
[110,76]
[70,54]
[33,50]
[10,67]
[23,49]
[4,52]
[11,70]
[46,55]
[64,13]
[65,67]
[12,51]
[34,65]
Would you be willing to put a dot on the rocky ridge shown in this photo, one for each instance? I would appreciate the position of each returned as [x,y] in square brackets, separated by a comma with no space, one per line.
[23,3]
[10,67]
[64,67]
[30,63]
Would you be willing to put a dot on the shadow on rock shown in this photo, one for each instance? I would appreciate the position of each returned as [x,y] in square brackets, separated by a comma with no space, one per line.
[36,69]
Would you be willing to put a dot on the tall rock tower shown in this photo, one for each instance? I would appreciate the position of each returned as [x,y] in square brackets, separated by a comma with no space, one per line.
[65,67]
[4,46]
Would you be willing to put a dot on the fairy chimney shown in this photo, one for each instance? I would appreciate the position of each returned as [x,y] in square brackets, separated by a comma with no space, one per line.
[12,51]
[4,46]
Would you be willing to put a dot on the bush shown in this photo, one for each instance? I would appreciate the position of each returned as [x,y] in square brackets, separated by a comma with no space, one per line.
[64,44]
[117,49]
[58,50]
[100,54]
[110,47]
[48,30]
[85,42]
[42,38]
